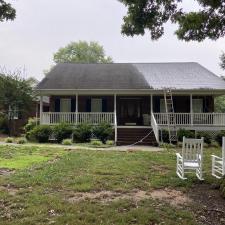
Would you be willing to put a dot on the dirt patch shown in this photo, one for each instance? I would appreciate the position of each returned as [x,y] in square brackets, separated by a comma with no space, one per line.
[10,189]
[6,172]
[208,205]
[108,196]
[173,197]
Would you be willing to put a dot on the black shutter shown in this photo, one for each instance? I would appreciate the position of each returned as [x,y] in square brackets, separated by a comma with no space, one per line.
[73,105]
[57,105]
[88,105]
[156,103]
[104,105]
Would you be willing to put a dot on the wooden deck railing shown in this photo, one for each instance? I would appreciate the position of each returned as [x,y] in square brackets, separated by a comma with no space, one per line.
[76,118]
[193,119]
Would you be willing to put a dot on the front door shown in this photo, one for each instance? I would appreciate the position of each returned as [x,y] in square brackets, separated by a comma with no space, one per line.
[130,111]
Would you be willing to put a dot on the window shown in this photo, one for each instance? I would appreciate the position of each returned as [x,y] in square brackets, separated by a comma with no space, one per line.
[96,105]
[197,105]
[65,105]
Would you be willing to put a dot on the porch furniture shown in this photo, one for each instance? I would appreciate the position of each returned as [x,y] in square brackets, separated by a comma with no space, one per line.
[191,157]
[218,163]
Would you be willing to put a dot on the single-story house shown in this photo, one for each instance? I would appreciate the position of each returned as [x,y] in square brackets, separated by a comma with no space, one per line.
[132,97]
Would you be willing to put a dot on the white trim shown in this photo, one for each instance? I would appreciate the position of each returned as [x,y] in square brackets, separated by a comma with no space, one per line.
[115,117]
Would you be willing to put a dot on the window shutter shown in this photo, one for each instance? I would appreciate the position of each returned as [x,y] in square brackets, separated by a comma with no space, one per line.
[88,105]
[104,105]
[57,105]
[73,105]
[156,101]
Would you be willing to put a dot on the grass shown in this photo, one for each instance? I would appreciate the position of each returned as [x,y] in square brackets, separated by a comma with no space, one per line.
[42,188]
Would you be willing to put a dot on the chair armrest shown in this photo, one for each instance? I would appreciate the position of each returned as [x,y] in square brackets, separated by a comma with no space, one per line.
[216,157]
[179,156]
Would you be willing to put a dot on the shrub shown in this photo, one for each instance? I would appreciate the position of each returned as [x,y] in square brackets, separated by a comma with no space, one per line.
[67,142]
[82,133]
[184,133]
[110,142]
[103,132]
[62,131]
[41,133]
[4,128]
[219,137]
[32,122]
[21,141]
[222,187]
[96,142]
[9,140]
[207,137]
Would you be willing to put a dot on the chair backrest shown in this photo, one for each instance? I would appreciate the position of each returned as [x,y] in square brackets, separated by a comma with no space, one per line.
[223,149]
[192,149]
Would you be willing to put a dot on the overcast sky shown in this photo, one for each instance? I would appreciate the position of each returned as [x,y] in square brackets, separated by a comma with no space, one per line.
[43,26]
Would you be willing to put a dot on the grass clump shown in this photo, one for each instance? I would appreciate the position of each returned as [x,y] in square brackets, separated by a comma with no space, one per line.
[21,141]
[96,142]
[67,142]
[9,140]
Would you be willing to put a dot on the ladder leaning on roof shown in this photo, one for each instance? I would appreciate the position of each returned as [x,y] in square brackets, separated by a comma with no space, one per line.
[170,116]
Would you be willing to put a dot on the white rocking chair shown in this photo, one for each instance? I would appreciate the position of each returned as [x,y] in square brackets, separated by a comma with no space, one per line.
[191,158]
[218,163]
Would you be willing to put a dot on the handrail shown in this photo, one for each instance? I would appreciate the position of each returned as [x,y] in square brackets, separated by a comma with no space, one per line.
[155,127]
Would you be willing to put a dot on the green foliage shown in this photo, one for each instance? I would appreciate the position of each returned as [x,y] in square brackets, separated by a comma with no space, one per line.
[222,187]
[219,137]
[207,137]
[32,122]
[103,132]
[7,12]
[220,104]
[109,142]
[222,58]
[184,133]
[62,131]
[9,140]
[208,21]
[82,133]
[96,142]
[82,52]
[4,128]
[41,133]
[67,142]
[21,141]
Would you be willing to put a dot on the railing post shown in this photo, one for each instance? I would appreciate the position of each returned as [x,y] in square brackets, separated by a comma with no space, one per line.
[191,109]
[41,109]
[115,119]
[77,108]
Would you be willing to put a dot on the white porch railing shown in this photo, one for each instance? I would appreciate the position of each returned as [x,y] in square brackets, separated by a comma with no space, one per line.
[155,127]
[76,118]
[193,119]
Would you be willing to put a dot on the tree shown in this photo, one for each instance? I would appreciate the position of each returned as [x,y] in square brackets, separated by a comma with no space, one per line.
[7,12]
[16,96]
[207,22]
[222,58]
[82,52]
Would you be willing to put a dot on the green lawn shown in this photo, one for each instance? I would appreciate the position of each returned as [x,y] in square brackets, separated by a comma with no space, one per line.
[39,191]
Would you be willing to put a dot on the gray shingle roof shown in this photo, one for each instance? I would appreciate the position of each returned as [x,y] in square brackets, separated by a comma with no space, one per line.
[157,76]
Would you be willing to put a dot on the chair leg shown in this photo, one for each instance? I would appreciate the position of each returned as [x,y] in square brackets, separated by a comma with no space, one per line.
[180,172]
[199,173]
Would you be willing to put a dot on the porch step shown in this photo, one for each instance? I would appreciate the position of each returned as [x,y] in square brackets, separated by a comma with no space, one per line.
[128,136]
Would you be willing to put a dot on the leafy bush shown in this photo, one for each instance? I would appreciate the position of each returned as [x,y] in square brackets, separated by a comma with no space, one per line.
[4,128]
[184,133]
[21,141]
[103,132]
[110,142]
[67,142]
[62,131]
[32,122]
[96,142]
[9,140]
[222,187]
[82,133]
[207,137]
[219,137]
[41,133]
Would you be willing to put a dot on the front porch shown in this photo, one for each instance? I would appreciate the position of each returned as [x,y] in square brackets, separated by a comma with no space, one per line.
[129,111]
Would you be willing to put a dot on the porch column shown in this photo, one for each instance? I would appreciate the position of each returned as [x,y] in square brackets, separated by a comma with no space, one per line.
[41,109]
[115,118]
[191,108]
[76,108]
[151,103]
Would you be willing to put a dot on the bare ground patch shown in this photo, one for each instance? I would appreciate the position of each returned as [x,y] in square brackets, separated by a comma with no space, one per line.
[173,197]
[208,205]
[6,172]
